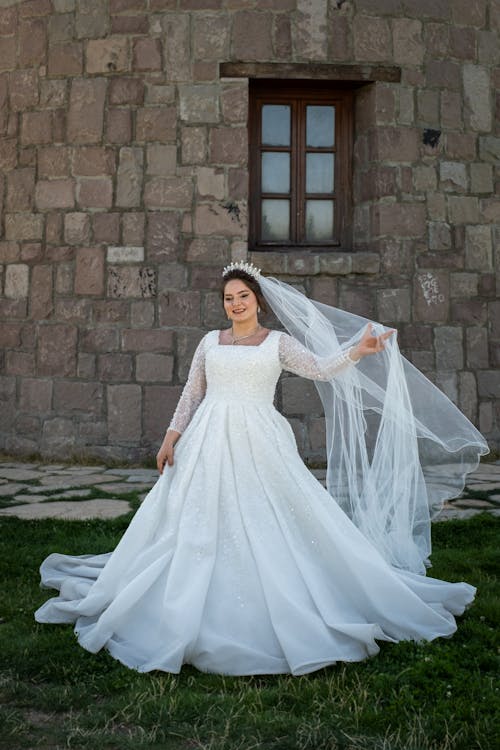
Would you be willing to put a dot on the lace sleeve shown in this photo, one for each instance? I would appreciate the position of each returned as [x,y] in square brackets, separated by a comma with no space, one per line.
[294,357]
[193,392]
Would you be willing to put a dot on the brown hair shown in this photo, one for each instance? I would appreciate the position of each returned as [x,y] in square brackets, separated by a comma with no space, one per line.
[251,283]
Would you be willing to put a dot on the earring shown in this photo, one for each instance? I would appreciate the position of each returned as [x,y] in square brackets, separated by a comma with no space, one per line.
[258,309]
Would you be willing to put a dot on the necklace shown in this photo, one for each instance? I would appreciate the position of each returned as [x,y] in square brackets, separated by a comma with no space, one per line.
[235,339]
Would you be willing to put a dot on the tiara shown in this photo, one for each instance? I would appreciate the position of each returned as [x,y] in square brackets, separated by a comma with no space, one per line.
[248,268]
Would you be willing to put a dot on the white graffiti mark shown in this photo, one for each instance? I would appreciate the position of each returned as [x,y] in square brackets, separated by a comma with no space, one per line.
[430,288]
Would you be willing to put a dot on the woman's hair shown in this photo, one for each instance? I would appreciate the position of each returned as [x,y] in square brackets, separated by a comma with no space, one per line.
[251,283]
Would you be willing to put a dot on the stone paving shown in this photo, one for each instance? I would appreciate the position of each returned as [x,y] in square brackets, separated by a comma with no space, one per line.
[38,490]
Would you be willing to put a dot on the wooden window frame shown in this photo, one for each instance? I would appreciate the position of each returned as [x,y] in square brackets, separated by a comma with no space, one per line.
[299,94]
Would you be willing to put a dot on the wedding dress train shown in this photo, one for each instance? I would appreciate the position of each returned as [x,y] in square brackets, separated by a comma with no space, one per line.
[238,561]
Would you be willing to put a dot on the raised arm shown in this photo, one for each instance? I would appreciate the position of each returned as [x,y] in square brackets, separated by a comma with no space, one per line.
[294,357]
[192,395]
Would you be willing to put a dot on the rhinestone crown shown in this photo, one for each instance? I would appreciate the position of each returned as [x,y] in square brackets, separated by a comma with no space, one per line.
[248,268]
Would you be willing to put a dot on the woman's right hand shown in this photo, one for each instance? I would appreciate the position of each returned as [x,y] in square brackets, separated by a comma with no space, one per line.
[166,453]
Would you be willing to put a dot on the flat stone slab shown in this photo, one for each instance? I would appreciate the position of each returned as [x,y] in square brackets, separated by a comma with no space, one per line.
[69,494]
[20,475]
[7,490]
[23,499]
[70,480]
[472,503]
[82,510]
[121,487]
[483,486]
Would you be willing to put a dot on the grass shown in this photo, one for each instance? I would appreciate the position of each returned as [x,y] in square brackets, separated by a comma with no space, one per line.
[436,696]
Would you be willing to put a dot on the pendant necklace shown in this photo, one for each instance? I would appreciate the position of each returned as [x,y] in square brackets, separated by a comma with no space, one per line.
[235,339]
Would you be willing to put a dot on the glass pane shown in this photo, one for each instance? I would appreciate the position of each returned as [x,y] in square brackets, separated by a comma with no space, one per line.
[275,220]
[276,125]
[319,173]
[319,220]
[320,127]
[275,172]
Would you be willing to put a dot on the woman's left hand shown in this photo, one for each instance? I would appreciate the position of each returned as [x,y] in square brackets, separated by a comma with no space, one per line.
[369,343]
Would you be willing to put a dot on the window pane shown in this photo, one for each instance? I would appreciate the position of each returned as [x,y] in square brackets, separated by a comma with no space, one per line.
[319,173]
[276,125]
[319,220]
[275,220]
[275,172]
[320,127]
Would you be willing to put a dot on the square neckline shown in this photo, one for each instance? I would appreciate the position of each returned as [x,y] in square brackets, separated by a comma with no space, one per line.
[246,346]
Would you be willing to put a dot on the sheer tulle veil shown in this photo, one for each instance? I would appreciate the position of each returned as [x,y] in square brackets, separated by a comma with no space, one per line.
[397,447]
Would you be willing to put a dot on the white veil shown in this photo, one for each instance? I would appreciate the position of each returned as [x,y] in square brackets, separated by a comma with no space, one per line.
[397,447]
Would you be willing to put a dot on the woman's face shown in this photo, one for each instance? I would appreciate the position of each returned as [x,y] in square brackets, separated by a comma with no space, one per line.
[240,303]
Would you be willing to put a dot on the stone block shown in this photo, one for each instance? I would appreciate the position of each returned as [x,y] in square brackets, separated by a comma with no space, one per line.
[64,278]
[122,254]
[119,125]
[61,27]
[461,146]
[210,182]
[34,8]
[251,36]
[8,21]
[467,395]
[7,53]
[439,235]
[106,227]
[56,350]
[126,90]
[476,81]
[16,281]
[448,342]
[428,108]
[154,368]
[23,226]
[99,340]
[129,181]
[489,149]
[478,248]
[93,161]
[133,229]
[162,236]
[147,341]
[177,45]
[51,194]
[372,39]
[431,296]
[488,383]
[443,74]
[463,209]
[108,55]
[448,383]
[58,437]
[156,124]
[20,363]
[23,90]
[472,312]
[54,228]
[10,335]
[463,284]
[488,50]
[72,310]
[199,103]
[91,20]
[76,228]
[193,145]
[89,276]
[86,110]
[35,395]
[407,41]
[52,93]
[41,292]
[137,24]
[477,347]
[234,104]
[36,128]
[162,160]
[469,12]
[20,189]
[180,309]
[208,250]
[110,311]
[227,219]
[451,109]
[9,252]
[115,367]
[8,151]
[171,192]
[229,146]
[160,402]
[70,396]
[94,192]
[142,314]
[396,144]
[300,397]
[481,178]
[160,94]
[147,55]
[211,37]
[394,305]
[131,281]
[32,42]
[399,219]
[124,412]
[65,59]
[53,161]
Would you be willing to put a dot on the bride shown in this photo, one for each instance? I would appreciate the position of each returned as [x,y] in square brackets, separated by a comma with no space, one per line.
[238,561]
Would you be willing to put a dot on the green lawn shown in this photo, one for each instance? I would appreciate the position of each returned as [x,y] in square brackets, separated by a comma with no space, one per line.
[438,696]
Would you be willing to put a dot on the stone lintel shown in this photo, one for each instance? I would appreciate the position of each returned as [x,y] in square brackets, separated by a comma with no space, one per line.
[314,71]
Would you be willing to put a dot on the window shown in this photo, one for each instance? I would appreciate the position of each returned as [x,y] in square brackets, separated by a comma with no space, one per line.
[300,165]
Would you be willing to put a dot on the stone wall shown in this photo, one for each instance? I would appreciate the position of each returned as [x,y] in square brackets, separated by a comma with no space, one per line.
[123,189]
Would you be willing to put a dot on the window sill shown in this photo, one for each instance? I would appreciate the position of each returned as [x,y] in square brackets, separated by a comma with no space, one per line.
[298,263]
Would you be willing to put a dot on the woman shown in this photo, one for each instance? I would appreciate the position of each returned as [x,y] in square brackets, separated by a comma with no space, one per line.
[239,561]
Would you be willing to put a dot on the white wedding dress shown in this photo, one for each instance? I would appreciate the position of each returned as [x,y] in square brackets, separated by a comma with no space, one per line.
[238,561]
